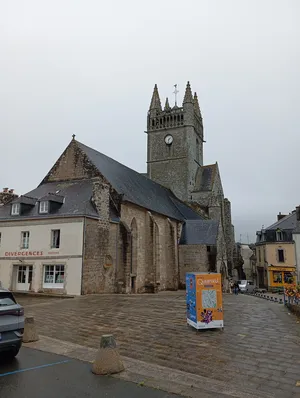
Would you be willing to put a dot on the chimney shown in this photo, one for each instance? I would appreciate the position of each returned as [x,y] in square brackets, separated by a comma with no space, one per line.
[298,213]
[280,216]
[6,196]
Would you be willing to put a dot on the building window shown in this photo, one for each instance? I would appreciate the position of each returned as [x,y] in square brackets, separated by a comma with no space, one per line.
[54,276]
[288,277]
[25,240]
[15,209]
[259,255]
[279,236]
[44,206]
[0,238]
[197,151]
[277,277]
[55,238]
[280,255]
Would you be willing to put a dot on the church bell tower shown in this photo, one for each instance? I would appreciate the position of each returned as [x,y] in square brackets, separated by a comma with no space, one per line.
[175,143]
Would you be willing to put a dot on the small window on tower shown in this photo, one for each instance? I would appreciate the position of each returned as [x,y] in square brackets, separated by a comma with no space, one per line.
[197,151]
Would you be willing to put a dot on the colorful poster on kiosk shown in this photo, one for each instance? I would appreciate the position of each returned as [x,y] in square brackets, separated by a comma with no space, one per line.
[204,300]
[209,301]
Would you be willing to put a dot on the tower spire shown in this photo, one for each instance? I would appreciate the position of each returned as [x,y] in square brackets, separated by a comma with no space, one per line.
[167,105]
[155,101]
[188,96]
[196,106]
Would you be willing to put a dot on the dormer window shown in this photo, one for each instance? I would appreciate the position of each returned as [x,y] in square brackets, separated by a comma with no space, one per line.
[44,206]
[15,209]
[279,235]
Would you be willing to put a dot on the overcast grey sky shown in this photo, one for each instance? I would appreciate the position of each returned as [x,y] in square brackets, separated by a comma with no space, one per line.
[89,67]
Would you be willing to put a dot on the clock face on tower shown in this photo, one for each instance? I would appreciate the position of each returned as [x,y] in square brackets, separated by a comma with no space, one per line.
[168,139]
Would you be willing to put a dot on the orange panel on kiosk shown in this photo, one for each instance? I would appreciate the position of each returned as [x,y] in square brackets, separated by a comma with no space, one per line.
[209,301]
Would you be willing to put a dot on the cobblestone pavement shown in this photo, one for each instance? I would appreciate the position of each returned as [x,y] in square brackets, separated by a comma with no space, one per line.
[259,347]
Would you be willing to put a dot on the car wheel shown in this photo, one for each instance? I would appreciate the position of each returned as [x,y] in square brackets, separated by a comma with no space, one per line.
[12,353]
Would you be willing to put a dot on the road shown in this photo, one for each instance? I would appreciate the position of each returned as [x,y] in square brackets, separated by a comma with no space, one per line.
[36,374]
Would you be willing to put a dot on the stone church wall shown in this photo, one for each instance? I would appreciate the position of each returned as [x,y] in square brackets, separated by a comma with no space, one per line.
[98,264]
[73,164]
[154,249]
[192,258]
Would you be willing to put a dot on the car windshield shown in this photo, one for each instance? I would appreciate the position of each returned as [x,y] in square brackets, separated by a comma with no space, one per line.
[242,282]
[6,299]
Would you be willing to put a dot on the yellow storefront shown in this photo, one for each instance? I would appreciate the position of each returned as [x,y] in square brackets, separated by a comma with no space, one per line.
[278,277]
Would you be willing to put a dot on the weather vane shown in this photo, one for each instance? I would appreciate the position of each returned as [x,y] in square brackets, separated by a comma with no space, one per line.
[175,92]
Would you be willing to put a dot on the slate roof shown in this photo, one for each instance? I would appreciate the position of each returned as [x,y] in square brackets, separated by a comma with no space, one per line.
[137,188]
[288,222]
[199,232]
[77,201]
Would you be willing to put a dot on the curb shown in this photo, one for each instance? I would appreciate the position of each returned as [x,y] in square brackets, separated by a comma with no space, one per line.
[152,375]
[266,297]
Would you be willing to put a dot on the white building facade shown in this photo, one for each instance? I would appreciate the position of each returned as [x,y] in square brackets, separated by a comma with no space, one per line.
[42,255]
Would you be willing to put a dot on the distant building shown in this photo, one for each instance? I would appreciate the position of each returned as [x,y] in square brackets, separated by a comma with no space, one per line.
[275,253]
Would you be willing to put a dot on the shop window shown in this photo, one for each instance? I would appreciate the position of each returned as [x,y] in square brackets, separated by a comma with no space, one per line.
[277,277]
[288,277]
[280,253]
[54,276]
[55,238]
[24,239]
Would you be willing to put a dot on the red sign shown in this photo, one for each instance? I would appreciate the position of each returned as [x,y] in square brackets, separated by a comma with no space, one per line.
[23,254]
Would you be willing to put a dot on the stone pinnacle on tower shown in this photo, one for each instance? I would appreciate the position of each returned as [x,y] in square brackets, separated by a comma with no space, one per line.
[167,105]
[188,96]
[196,106]
[155,101]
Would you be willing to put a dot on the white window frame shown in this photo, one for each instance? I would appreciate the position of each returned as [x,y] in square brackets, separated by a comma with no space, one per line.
[25,235]
[279,236]
[44,206]
[15,209]
[54,269]
[53,231]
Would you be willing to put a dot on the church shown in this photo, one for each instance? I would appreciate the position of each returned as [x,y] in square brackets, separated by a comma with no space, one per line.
[94,225]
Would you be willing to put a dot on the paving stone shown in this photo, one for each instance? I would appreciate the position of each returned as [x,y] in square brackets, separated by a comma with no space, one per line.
[260,344]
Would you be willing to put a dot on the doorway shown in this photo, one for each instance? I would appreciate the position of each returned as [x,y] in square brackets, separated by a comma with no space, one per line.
[24,277]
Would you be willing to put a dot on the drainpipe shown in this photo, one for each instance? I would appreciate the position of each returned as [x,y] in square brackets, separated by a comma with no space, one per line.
[83,253]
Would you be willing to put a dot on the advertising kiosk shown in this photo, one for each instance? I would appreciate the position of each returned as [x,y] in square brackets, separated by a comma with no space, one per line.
[204,300]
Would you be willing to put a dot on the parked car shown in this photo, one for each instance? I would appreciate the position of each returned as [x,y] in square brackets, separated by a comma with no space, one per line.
[11,324]
[246,286]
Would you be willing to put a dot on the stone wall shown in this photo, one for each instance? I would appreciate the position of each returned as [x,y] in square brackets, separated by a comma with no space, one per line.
[72,164]
[151,260]
[229,234]
[192,258]
[6,196]
[99,265]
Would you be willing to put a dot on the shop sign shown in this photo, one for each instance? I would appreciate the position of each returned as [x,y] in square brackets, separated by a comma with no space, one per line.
[26,253]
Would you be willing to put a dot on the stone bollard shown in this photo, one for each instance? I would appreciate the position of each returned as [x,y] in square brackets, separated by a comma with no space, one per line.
[276,299]
[108,360]
[272,298]
[30,334]
[280,301]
